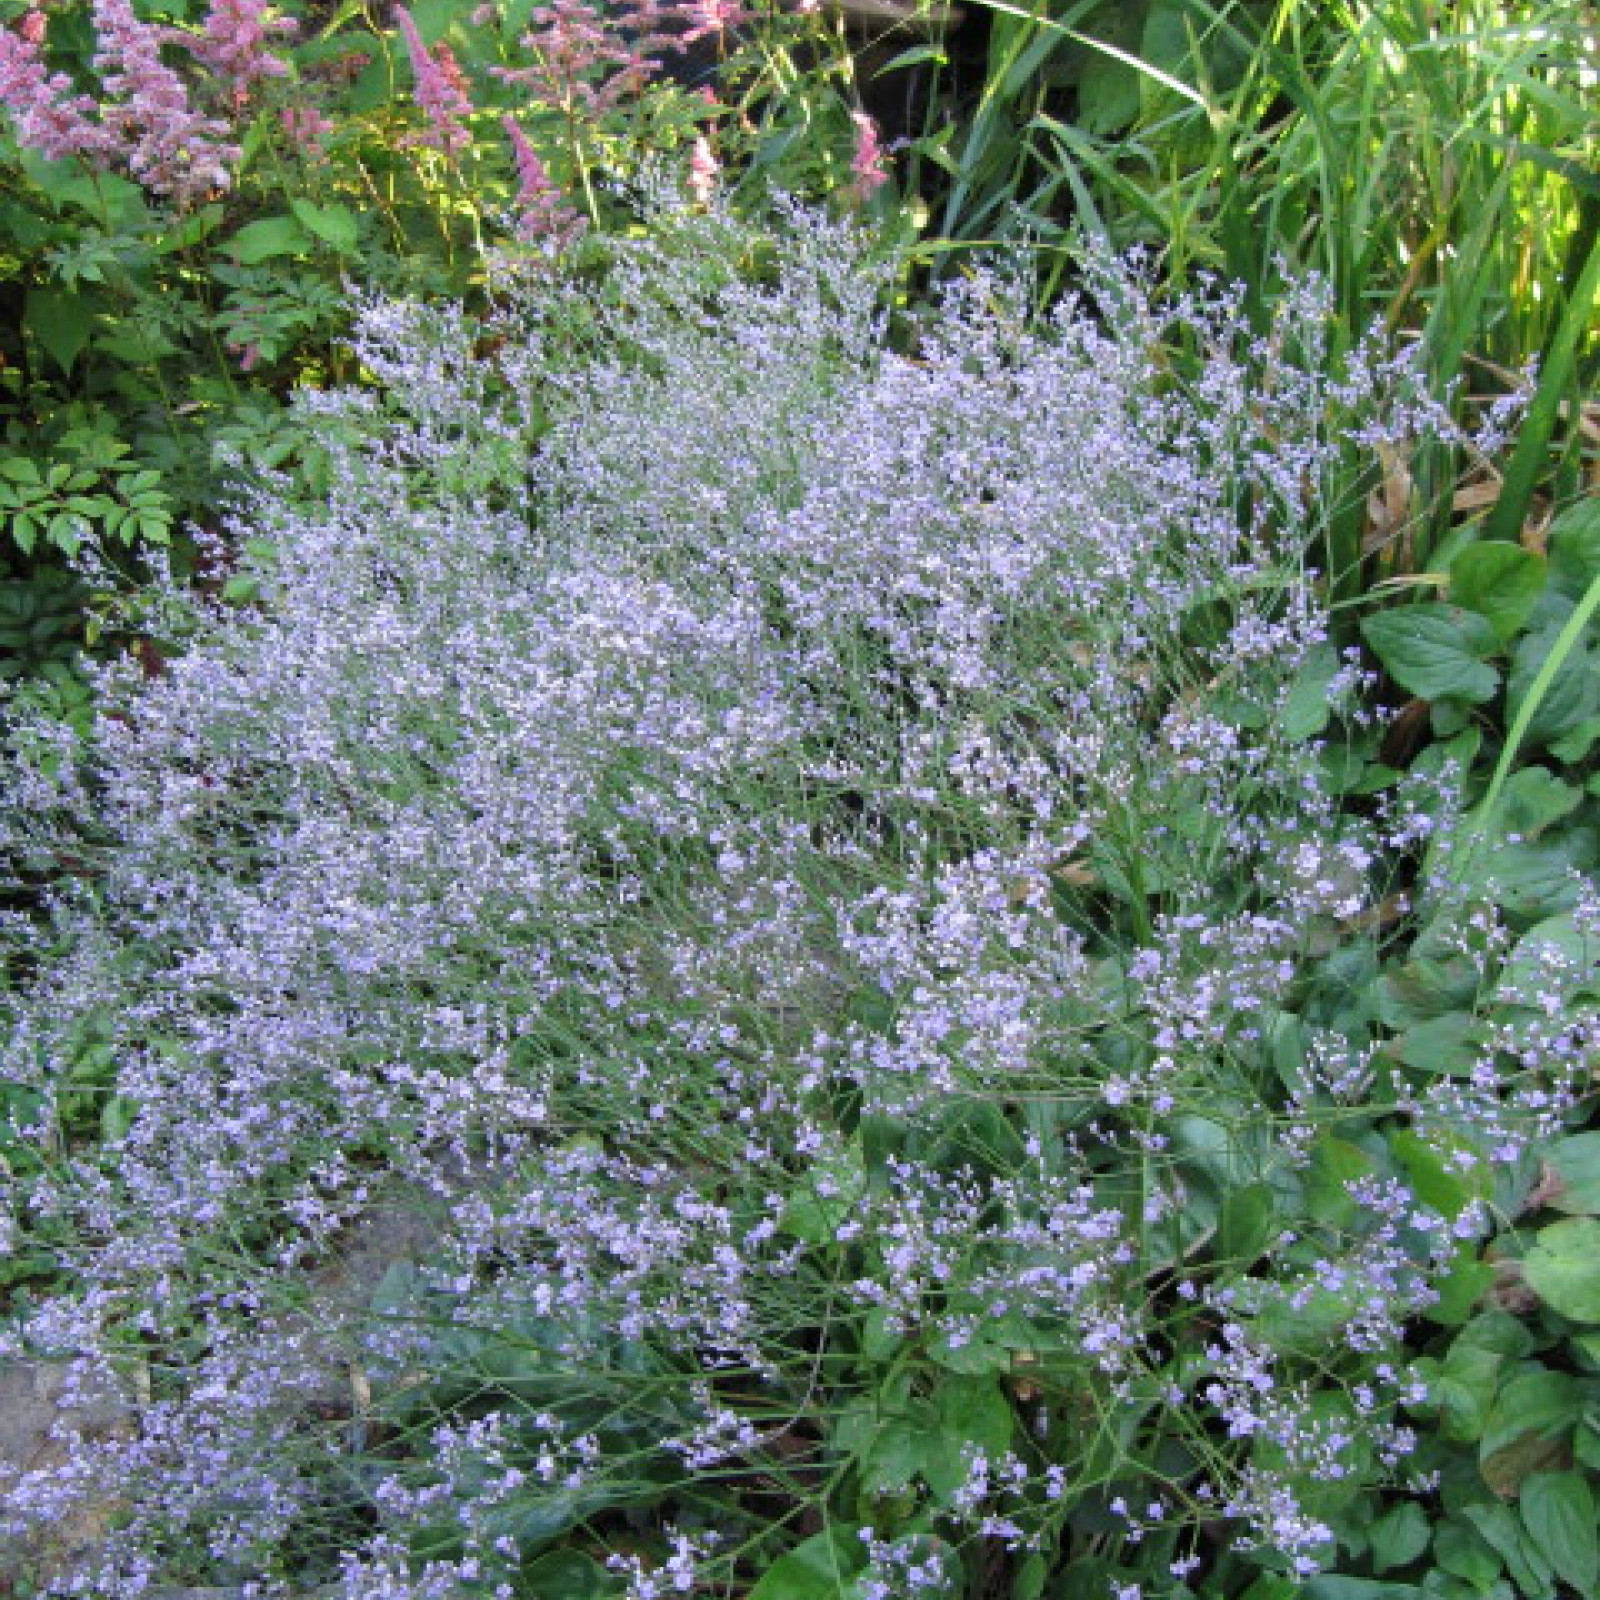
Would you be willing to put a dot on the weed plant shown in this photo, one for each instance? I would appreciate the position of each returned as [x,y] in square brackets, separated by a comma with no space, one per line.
[816,869]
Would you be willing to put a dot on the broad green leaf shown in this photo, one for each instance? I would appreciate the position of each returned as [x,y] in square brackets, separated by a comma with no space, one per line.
[1445,1044]
[1434,1181]
[68,183]
[1558,1511]
[1563,1268]
[816,1212]
[894,1454]
[1573,747]
[1574,1166]
[1335,1586]
[1245,1221]
[1426,988]
[975,1417]
[1573,695]
[1498,581]
[1335,1163]
[270,236]
[336,226]
[1556,954]
[1435,651]
[1031,1578]
[1460,1287]
[1528,1429]
[568,1575]
[1463,1386]
[1530,881]
[1398,1537]
[1306,710]
[973,1356]
[1498,1332]
[1524,1560]
[1462,1551]
[1575,545]
[60,322]
[815,1570]
[1534,799]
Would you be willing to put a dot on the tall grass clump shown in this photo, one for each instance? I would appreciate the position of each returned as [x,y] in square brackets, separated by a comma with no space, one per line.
[804,849]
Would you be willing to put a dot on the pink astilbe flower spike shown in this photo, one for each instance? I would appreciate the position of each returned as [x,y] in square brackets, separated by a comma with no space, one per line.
[441,89]
[708,18]
[544,216]
[307,129]
[170,149]
[867,162]
[703,170]
[50,116]
[592,59]
[234,42]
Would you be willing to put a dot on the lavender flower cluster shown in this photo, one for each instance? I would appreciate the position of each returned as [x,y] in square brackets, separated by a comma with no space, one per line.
[757,822]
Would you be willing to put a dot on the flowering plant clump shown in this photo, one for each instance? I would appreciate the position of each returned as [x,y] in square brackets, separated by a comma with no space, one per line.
[187,187]
[811,861]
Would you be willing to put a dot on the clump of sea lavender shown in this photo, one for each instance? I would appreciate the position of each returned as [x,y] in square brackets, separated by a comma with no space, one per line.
[791,850]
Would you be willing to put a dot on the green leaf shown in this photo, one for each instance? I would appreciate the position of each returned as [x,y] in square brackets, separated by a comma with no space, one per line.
[1426,988]
[1499,581]
[1558,1511]
[271,236]
[1245,1221]
[1460,1287]
[1558,953]
[336,226]
[1398,1537]
[894,1455]
[816,1213]
[102,194]
[1563,1268]
[1433,1181]
[1335,1586]
[1435,651]
[1528,1429]
[1451,1043]
[1573,747]
[1572,694]
[1573,1164]
[1524,1561]
[1575,546]
[815,1570]
[1306,709]
[1031,1578]
[568,1575]
[1534,799]
[1462,1551]
[1463,1387]
[60,322]
[975,1411]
